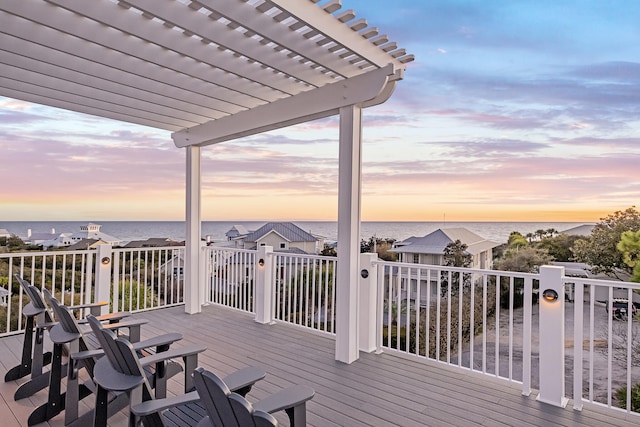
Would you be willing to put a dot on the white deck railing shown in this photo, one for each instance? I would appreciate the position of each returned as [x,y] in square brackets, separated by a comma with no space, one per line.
[68,274]
[483,321]
[301,287]
[480,320]
[606,346]
[304,290]
[139,279]
[230,277]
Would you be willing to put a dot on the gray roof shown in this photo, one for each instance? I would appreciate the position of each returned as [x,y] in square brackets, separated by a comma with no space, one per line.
[437,241]
[82,244]
[581,230]
[288,230]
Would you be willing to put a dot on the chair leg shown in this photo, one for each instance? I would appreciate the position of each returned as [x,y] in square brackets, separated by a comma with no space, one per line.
[55,401]
[100,419]
[297,415]
[24,368]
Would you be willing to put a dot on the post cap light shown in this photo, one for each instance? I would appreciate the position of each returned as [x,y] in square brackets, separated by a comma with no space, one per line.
[550,295]
[261,262]
[105,261]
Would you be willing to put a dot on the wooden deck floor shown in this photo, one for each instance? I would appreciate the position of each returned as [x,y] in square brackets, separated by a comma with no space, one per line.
[376,390]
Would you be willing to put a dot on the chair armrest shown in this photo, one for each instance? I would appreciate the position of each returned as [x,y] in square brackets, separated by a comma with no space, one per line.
[87,354]
[150,406]
[243,378]
[161,340]
[109,317]
[185,351]
[126,324]
[285,399]
[94,307]
[132,324]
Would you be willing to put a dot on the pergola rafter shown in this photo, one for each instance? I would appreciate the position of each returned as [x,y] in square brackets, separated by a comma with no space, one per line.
[210,71]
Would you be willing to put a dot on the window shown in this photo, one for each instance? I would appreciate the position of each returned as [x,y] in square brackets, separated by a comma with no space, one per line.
[416,258]
[283,245]
[263,244]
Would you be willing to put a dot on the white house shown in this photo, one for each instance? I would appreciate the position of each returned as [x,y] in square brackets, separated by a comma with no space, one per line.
[4,233]
[89,231]
[283,237]
[430,250]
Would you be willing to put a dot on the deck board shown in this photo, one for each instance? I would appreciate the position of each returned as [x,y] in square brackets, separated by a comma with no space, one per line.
[376,390]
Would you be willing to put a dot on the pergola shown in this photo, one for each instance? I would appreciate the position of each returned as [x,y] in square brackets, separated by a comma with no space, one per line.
[211,71]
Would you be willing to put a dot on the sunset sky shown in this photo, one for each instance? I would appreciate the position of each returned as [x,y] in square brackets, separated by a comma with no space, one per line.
[522,110]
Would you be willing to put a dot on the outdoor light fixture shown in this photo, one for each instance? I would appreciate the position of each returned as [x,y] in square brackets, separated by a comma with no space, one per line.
[364,273]
[261,262]
[106,260]
[550,295]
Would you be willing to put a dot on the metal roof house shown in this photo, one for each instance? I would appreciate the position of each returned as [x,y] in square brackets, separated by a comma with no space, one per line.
[211,72]
[430,248]
[283,237]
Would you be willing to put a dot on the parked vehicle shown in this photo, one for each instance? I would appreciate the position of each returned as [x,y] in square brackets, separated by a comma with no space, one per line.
[620,308]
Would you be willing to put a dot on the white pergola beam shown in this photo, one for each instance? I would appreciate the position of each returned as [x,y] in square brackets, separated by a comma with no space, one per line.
[263,24]
[155,33]
[321,102]
[328,25]
[206,28]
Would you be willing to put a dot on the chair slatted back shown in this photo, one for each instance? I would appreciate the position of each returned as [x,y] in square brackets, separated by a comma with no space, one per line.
[69,324]
[35,296]
[227,409]
[214,394]
[107,340]
[124,359]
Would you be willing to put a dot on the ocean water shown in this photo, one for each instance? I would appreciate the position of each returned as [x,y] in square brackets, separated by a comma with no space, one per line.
[175,230]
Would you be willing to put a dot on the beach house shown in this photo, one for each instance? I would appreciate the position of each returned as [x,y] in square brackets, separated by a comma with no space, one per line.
[281,236]
[430,250]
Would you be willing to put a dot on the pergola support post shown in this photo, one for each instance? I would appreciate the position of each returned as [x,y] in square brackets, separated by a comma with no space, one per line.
[193,294]
[349,200]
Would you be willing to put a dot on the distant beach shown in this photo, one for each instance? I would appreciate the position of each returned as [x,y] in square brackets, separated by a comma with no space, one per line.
[175,230]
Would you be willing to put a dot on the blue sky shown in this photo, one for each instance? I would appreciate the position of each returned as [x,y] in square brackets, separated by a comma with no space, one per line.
[513,110]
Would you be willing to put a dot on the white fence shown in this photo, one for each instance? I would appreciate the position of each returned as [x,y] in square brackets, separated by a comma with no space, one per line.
[304,290]
[300,288]
[606,342]
[230,275]
[138,279]
[478,320]
[483,321]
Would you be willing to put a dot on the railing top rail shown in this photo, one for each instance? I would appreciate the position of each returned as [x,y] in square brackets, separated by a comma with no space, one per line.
[306,256]
[457,269]
[147,249]
[224,249]
[42,253]
[601,282]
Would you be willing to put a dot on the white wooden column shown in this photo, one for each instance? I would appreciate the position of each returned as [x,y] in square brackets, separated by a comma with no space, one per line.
[349,196]
[193,289]
[551,347]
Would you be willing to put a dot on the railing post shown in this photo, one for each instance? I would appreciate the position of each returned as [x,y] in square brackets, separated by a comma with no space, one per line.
[368,283]
[551,333]
[264,284]
[102,289]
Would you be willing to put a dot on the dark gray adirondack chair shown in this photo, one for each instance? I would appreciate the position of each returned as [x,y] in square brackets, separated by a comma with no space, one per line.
[121,371]
[82,354]
[228,409]
[34,358]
